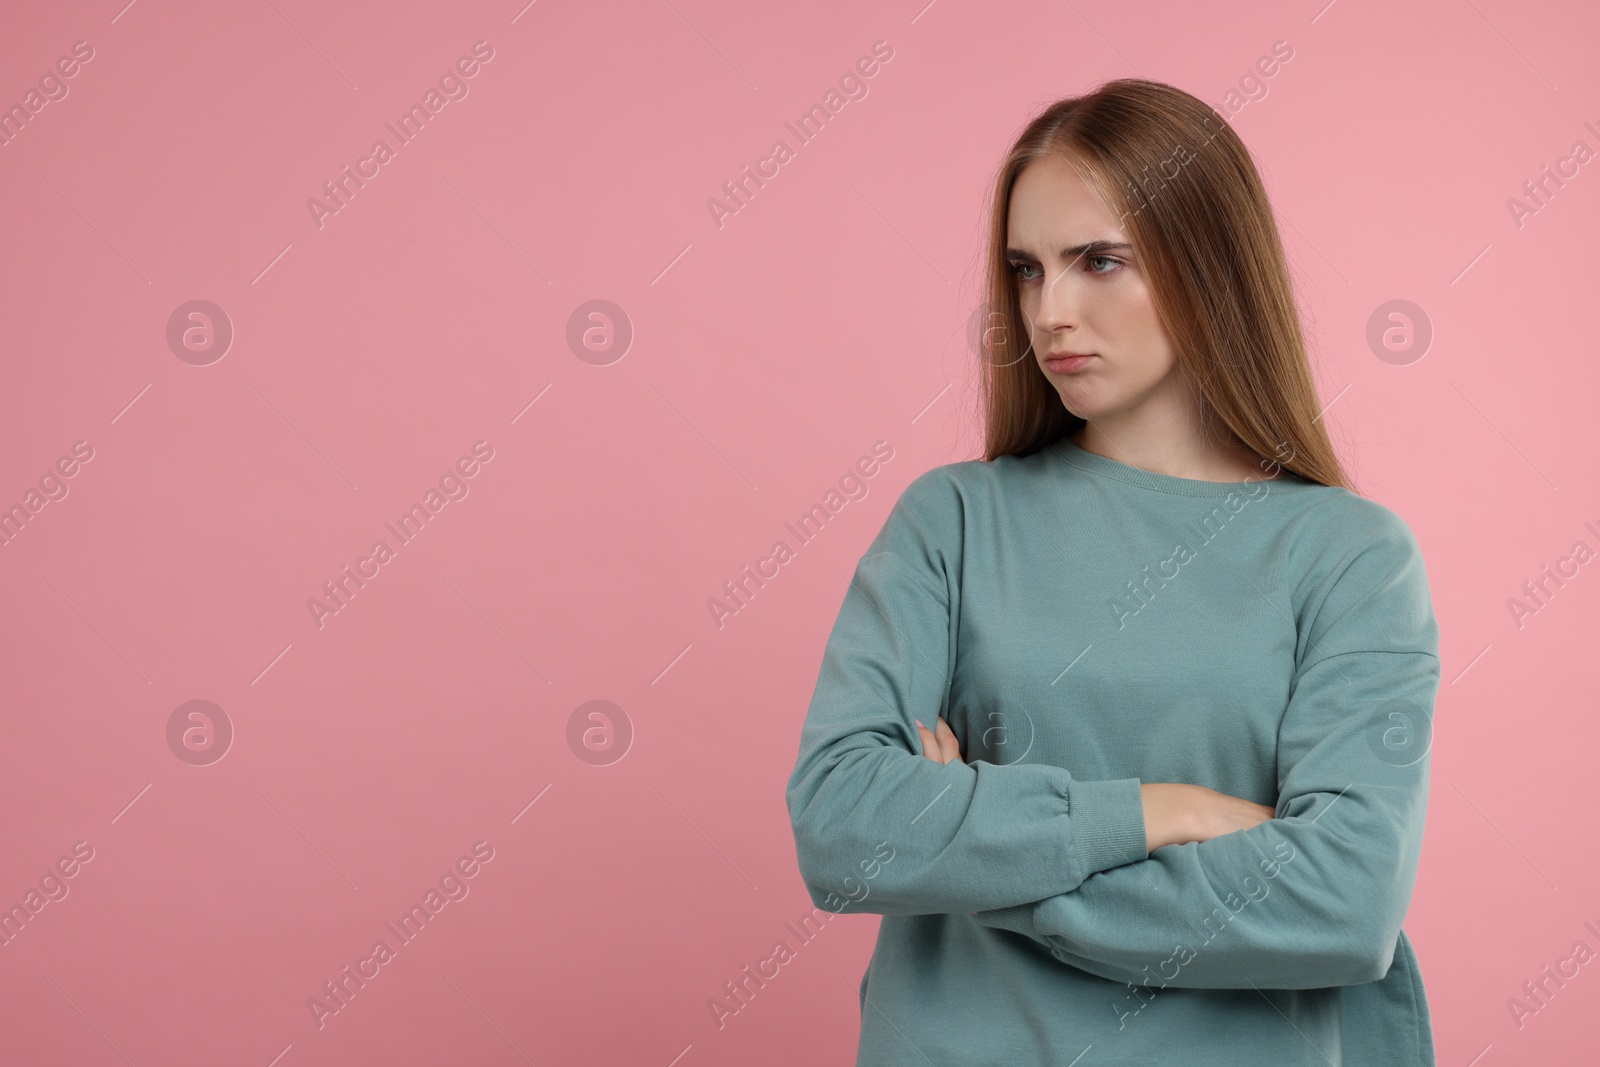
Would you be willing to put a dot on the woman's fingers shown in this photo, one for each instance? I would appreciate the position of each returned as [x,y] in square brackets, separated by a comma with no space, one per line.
[948,744]
[941,746]
[1231,813]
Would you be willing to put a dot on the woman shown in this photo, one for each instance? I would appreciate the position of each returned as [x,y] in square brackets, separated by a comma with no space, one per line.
[1180,677]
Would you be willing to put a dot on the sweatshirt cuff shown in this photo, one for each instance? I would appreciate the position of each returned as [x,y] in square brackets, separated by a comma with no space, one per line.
[1017,918]
[1107,823]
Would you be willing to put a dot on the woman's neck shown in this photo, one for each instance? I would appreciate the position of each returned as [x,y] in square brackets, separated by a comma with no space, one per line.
[1183,451]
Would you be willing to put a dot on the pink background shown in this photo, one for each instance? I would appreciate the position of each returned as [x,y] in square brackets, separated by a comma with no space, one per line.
[432,711]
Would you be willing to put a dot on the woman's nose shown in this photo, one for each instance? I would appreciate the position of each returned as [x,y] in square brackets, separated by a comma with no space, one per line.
[1058,302]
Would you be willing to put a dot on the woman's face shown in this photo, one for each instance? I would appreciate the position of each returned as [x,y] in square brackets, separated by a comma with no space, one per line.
[1081,291]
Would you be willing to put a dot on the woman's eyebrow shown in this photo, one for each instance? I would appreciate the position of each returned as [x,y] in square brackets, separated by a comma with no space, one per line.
[1091,248]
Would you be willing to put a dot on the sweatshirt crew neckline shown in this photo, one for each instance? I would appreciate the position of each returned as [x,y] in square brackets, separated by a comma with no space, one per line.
[1065,449]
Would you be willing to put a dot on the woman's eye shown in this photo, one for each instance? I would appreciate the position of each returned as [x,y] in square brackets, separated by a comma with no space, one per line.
[1019,269]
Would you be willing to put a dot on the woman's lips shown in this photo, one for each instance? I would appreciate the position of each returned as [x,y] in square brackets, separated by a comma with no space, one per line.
[1067,364]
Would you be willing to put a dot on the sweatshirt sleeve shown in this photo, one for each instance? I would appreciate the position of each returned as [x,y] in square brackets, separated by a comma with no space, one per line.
[879,827]
[1315,896]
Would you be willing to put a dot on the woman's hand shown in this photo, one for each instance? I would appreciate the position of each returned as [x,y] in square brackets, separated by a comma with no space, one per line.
[1176,813]
[941,747]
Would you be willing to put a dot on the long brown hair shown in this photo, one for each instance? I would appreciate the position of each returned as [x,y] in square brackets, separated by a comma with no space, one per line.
[1187,193]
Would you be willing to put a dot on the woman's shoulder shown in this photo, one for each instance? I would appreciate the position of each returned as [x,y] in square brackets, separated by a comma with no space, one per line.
[1335,517]
[930,510]
[948,496]
[974,476]
[1352,553]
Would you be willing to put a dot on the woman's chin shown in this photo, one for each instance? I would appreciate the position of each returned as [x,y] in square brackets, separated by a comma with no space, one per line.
[1081,406]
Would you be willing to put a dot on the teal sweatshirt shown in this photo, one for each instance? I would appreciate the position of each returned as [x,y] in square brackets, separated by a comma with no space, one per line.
[1084,625]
